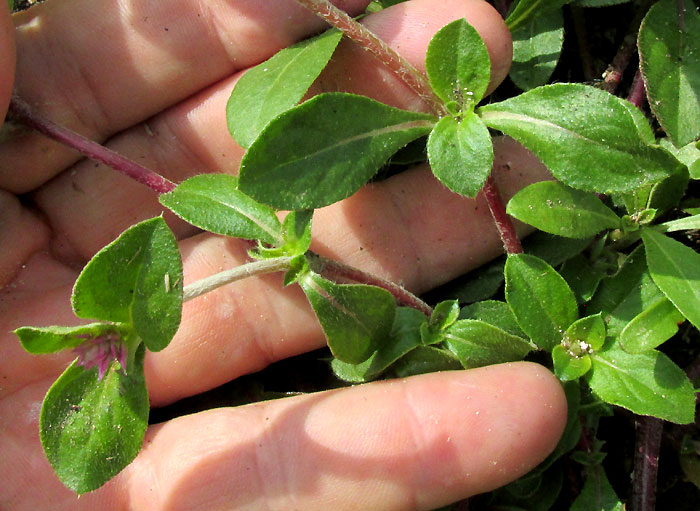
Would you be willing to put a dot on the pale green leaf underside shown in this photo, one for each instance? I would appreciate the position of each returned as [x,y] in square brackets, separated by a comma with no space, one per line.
[325,150]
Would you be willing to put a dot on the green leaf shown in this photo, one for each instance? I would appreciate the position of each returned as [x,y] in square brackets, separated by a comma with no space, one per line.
[537,45]
[91,429]
[559,209]
[136,280]
[583,278]
[660,196]
[404,336]
[654,325]
[599,3]
[276,85]
[325,149]
[675,268]
[669,49]
[425,359]
[540,299]
[689,155]
[461,153]
[648,383]
[568,367]
[478,344]
[614,290]
[213,202]
[586,137]
[458,65]
[525,10]
[585,335]
[494,313]
[682,224]
[51,339]
[356,319]
[597,493]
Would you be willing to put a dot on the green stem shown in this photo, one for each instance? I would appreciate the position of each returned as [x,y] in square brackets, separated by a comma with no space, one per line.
[379,49]
[238,273]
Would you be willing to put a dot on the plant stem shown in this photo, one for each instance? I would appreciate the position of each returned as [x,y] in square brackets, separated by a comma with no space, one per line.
[504,224]
[379,49]
[638,91]
[22,112]
[336,270]
[646,463]
[238,273]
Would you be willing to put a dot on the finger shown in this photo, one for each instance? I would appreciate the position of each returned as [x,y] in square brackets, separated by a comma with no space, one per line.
[193,138]
[7,59]
[417,443]
[106,65]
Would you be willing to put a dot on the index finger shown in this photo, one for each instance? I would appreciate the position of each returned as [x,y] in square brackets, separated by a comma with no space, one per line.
[98,66]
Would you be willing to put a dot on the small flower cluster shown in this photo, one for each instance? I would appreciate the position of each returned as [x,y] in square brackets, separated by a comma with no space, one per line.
[101,351]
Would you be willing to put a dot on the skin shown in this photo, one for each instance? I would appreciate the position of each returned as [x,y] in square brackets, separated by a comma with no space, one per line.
[109,71]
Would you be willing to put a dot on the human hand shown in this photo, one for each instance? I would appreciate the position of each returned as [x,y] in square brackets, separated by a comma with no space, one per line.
[152,80]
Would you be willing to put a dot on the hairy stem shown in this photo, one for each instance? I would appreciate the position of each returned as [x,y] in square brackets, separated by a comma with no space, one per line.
[504,224]
[336,270]
[238,273]
[23,113]
[646,463]
[379,49]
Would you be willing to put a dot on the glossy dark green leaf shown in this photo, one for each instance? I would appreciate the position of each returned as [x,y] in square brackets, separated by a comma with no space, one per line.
[213,202]
[648,383]
[460,153]
[675,268]
[458,65]
[537,45]
[669,49]
[559,209]
[404,336]
[136,280]
[51,339]
[356,318]
[597,493]
[540,299]
[91,429]
[478,344]
[276,85]
[654,325]
[325,149]
[586,137]
[495,313]
[425,359]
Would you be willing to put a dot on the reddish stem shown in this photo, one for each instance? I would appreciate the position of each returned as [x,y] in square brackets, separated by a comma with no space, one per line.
[637,91]
[646,463]
[504,224]
[613,74]
[336,270]
[22,112]
[379,49]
